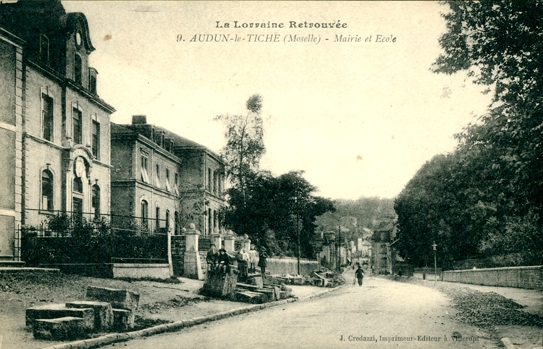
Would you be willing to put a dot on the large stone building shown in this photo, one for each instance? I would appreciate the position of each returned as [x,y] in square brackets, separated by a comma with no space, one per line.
[164,180]
[54,128]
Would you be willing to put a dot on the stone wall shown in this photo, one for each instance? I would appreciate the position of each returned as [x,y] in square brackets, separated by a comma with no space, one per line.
[282,266]
[178,253]
[520,277]
[139,271]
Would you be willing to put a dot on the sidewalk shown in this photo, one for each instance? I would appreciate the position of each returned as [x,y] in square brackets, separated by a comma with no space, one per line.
[519,336]
[524,337]
[202,310]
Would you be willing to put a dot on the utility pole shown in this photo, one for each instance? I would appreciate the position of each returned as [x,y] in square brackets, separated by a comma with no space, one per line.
[434,246]
[298,231]
[339,247]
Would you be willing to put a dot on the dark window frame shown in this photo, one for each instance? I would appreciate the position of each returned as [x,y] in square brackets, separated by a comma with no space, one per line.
[77,119]
[47,117]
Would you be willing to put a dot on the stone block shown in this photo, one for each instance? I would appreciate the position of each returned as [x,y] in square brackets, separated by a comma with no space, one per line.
[103,313]
[120,299]
[220,285]
[256,280]
[268,293]
[297,281]
[286,294]
[123,319]
[52,311]
[277,292]
[64,328]
[244,286]
[249,297]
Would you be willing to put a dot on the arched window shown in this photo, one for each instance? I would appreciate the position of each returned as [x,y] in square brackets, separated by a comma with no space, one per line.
[144,214]
[96,201]
[47,190]
[78,69]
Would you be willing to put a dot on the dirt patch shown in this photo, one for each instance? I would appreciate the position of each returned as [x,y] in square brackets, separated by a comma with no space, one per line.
[20,291]
[491,311]
[176,302]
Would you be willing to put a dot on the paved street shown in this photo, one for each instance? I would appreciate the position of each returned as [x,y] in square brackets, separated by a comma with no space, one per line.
[380,314]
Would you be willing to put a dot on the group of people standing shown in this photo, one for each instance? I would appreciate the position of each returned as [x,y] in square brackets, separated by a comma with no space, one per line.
[221,261]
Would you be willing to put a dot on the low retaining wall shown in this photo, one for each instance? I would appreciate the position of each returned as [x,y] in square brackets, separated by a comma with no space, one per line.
[520,277]
[139,271]
[283,266]
[97,270]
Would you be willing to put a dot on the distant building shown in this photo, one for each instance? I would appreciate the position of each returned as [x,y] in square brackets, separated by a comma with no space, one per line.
[382,255]
[54,128]
[164,180]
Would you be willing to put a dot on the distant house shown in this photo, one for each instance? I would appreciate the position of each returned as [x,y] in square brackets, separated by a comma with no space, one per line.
[382,255]
[164,180]
[54,128]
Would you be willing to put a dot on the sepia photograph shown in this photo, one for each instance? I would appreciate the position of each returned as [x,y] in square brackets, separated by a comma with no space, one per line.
[268,174]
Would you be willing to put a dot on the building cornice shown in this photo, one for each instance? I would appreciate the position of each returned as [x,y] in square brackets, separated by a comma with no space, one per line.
[64,82]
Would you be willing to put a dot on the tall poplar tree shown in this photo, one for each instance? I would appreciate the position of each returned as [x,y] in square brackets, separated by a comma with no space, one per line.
[244,143]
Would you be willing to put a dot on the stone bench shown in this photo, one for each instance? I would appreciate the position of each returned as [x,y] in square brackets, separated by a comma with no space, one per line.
[103,313]
[53,311]
[64,328]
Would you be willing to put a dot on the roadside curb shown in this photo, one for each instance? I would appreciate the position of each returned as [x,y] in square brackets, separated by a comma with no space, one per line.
[178,325]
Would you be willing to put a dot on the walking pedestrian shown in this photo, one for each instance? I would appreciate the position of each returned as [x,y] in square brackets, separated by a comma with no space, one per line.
[262,261]
[359,274]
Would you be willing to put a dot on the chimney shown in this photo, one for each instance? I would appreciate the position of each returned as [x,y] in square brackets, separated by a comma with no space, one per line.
[139,119]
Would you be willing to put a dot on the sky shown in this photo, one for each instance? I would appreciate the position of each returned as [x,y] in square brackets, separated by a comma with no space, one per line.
[359,117]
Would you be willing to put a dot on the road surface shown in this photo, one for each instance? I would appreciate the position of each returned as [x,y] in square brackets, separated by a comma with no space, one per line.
[380,314]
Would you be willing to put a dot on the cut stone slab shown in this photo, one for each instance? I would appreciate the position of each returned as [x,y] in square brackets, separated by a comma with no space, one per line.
[256,280]
[53,311]
[250,297]
[244,286]
[268,293]
[297,281]
[276,292]
[103,313]
[61,328]
[120,299]
[220,285]
[286,294]
[123,319]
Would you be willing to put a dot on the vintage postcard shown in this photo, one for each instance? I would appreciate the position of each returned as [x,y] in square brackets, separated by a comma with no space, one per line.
[209,174]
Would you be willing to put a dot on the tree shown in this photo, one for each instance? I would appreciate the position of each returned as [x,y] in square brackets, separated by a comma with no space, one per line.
[274,210]
[494,188]
[499,44]
[245,144]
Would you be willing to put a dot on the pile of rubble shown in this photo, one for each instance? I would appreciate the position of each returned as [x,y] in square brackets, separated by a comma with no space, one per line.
[256,291]
[321,278]
[104,310]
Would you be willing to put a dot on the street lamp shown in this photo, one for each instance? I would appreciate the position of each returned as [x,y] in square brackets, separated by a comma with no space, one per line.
[434,246]
[298,229]
[339,247]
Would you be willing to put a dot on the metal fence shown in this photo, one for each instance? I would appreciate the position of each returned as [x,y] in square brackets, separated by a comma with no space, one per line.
[63,224]
[68,237]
